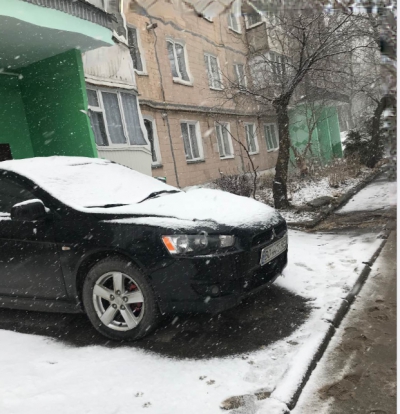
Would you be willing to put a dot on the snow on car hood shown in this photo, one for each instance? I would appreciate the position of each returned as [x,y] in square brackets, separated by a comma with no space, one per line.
[88,184]
[200,205]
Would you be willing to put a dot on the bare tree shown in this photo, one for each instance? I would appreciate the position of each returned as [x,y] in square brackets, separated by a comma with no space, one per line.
[294,44]
[303,37]
[375,74]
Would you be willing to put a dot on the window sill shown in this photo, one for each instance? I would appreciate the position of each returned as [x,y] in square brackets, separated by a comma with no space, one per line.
[254,153]
[254,25]
[123,148]
[182,82]
[235,31]
[216,89]
[141,73]
[156,166]
[195,161]
[229,157]
[273,150]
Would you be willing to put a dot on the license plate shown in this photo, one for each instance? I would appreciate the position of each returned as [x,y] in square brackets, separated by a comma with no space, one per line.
[270,252]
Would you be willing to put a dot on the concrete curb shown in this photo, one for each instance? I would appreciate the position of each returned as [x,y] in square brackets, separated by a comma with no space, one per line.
[339,316]
[342,200]
[334,324]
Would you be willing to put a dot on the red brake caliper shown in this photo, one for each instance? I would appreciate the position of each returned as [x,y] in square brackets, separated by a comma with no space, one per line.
[136,307]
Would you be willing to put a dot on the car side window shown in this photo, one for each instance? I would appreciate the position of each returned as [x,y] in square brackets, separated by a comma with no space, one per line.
[12,193]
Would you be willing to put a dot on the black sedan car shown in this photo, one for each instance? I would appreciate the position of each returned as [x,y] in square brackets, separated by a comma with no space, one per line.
[88,235]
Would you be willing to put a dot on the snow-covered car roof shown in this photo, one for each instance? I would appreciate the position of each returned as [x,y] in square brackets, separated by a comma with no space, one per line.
[87,182]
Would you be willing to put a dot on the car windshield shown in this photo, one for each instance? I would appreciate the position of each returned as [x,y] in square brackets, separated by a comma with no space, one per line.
[84,182]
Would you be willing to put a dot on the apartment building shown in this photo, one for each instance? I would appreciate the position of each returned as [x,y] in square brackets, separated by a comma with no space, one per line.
[183,61]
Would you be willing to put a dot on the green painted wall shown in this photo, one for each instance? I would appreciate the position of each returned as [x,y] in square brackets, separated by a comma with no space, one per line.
[334,132]
[54,94]
[13,124]
[326,142]
[324,137]
[299,133]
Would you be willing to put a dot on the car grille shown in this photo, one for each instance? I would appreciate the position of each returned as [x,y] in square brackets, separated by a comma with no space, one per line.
[266,236]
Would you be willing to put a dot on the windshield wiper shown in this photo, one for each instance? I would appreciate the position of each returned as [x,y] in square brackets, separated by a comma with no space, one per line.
[107,206]
[157,193]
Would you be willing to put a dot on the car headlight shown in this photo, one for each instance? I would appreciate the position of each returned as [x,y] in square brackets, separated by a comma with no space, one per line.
[197,244]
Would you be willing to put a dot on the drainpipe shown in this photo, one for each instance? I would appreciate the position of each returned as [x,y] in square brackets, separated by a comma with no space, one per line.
[165,115]
[240,147]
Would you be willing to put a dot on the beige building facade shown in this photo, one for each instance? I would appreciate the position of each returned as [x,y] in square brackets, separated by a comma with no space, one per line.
[184,63]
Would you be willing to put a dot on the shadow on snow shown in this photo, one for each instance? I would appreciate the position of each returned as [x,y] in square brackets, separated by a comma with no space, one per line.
[259,321]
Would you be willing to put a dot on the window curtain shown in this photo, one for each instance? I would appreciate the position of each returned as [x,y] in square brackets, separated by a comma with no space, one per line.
[131,114]
[113,117]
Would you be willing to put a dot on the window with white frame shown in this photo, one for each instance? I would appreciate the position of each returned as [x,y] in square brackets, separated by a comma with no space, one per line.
[177,60]
[115,118]
[213,72]
[191,141]
[253,19]
[271,136]
[258,67]
[153,140]
[240,75]
[224,141]
[234,23]
[277,63]
[134,48]
[234,17]
[251,138]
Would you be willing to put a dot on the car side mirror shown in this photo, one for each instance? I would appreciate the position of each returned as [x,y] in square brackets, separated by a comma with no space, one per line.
[29,210]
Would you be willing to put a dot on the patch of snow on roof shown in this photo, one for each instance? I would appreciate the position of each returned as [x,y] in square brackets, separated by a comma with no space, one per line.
[82,182]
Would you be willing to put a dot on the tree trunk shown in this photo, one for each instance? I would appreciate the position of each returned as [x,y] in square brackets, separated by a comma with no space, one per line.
[279,187]
[375,150]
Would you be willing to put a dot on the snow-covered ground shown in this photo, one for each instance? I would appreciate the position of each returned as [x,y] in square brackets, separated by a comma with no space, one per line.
[43,375]
[301,192]
[380,195]
[309,190]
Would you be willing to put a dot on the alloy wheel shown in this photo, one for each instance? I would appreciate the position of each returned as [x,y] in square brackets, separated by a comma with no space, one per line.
[118,301]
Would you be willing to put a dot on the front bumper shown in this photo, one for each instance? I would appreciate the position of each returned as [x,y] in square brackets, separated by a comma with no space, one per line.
[187,284]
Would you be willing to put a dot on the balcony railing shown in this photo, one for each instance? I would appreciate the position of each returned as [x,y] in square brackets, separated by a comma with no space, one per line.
[79,8]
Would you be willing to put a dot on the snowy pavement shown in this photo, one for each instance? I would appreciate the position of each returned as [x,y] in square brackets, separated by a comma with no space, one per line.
[379,195]
[306,190]
[362,354]
[41,374]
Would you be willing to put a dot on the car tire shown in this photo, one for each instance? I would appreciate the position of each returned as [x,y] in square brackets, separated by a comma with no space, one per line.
[108,291]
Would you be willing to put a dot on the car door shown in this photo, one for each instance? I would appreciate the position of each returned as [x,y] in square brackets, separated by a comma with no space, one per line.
[29,260]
